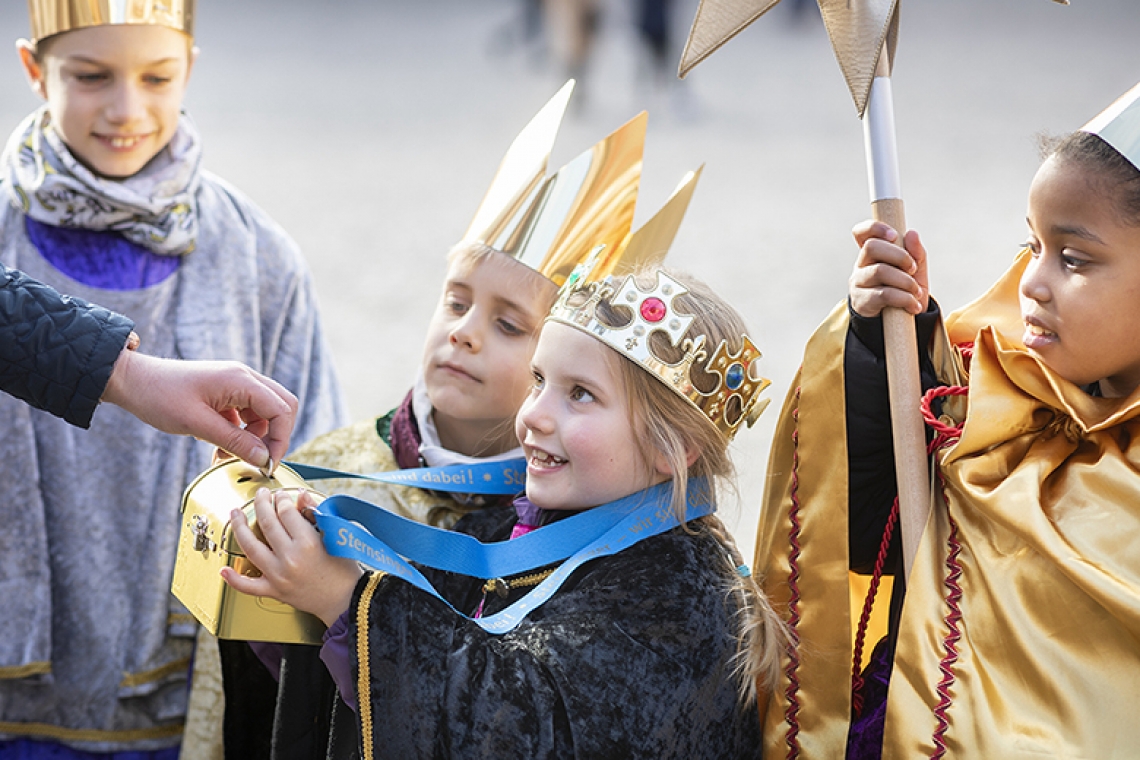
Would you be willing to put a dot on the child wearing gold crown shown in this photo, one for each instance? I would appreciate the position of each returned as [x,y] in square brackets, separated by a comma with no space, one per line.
[623,623]
[106,198]
[1019,633]
[500,284]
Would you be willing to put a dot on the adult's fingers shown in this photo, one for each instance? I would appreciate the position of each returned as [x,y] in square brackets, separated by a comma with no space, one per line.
[271,412]
[274,404]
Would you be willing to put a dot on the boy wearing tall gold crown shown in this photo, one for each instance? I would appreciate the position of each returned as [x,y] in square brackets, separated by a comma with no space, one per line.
[1019,636]
[502,278]
[105,198]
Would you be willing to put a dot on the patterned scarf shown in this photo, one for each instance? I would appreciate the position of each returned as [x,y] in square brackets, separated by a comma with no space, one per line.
[155,208]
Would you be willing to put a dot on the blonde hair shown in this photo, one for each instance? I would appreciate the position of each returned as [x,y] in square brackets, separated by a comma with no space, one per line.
[669,425]
[466,255]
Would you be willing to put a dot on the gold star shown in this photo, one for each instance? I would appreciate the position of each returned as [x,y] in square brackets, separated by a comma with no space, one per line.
[857,28]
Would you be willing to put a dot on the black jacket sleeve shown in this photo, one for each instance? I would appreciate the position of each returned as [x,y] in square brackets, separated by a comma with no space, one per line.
[871,486]
[57,352]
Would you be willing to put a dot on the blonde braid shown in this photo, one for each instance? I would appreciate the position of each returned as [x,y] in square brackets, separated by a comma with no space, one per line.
[669,425]
[763,636]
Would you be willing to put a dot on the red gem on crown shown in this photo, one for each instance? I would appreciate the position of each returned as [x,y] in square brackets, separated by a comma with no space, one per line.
[653,310]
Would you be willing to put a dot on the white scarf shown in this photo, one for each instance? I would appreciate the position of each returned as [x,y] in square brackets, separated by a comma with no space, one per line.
[155,208]
[433,452]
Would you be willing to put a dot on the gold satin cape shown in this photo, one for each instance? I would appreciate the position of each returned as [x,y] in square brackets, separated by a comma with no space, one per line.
[1044,491]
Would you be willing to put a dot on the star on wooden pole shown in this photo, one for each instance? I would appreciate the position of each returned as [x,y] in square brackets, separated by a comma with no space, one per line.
[863,34]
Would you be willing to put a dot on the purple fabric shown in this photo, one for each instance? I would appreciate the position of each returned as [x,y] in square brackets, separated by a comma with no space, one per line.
[270,655]
[865,738]
[528,513]
[100,259]
[404,435]
[26,749]
[337,658]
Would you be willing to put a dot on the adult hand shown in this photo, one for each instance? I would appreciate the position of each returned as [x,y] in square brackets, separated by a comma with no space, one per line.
[295,568]
[208,400]
[886,274]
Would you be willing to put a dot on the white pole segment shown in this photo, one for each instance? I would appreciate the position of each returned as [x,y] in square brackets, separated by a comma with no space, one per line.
[879,140]
[908,432]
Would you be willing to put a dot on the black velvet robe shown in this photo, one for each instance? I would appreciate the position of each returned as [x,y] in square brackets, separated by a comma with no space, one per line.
[630,659]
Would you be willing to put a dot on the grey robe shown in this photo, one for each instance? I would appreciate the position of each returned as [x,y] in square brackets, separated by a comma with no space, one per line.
[93,648]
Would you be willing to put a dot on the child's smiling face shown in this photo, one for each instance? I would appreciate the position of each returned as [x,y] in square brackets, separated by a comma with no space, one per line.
[1080,294]
[114,92]
[576,427]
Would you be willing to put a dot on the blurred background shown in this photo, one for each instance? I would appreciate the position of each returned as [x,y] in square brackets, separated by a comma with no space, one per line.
[370,129]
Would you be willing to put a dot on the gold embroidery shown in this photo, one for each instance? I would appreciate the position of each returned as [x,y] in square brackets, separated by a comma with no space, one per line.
[28,669]
[363,693]
[89,734]
[157,674]
[503,586]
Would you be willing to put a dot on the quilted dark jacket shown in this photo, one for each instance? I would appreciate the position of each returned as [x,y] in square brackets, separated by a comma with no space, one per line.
[56,352]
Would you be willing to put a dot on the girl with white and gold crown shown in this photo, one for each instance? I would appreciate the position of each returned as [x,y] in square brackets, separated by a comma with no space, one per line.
[1020,632]
[104,197]
[607,613]
[525,239]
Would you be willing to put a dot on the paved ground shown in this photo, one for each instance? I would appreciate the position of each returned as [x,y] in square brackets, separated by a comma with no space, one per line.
[370,129]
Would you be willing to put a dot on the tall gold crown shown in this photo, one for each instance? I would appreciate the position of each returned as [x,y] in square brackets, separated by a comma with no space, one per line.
[734,388]
[553,223]
[56,16]
[1119,125]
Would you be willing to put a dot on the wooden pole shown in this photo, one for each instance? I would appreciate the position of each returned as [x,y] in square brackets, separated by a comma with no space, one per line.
[905,383]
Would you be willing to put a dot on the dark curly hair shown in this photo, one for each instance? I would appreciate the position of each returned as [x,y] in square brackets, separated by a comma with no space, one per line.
[1120,178]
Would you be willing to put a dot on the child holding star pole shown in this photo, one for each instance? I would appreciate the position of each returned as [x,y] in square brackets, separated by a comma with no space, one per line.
[1018,636]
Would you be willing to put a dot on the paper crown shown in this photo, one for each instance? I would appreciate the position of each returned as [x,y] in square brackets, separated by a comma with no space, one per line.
[553,223]
[56,16]
[1119,125]
[636,314]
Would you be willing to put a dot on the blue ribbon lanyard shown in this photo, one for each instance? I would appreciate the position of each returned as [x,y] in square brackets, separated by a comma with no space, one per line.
[504,477]
[363,532]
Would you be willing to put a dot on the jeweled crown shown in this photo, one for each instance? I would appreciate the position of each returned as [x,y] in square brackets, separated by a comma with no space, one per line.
[1119,125]
[50,17]
[733,395]
[553,223]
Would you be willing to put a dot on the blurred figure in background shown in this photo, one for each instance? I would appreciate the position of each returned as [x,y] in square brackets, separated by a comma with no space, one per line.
[654,19]
[572,28]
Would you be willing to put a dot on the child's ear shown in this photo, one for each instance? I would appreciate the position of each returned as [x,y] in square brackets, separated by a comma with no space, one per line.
[191,57]
[35,73]
[661,462]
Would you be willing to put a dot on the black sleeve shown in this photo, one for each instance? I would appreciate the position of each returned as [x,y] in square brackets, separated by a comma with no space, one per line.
[871,486]
[57,352]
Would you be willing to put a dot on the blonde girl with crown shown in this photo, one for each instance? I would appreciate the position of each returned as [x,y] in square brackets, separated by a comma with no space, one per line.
[1020,632]
[104,197]
[625,624]
[475,372]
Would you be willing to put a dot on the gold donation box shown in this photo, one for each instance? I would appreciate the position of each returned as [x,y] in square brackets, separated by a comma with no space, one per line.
[206,544]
